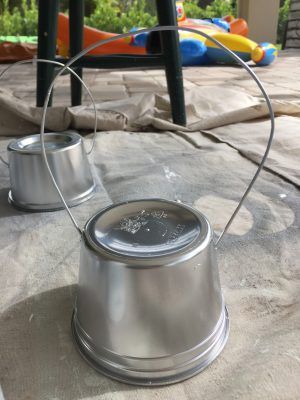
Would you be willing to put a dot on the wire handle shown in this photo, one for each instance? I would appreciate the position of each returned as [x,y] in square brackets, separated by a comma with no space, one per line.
[41,60]
[158,29]
[4,162]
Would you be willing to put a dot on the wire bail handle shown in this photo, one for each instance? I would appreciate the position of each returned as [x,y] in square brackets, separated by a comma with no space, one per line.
[41,60]
[158,29]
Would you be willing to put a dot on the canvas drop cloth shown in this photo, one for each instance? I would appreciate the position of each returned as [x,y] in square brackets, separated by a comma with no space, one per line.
[231,116]
[258,259]
[258,262]
[250,139]
[207,107]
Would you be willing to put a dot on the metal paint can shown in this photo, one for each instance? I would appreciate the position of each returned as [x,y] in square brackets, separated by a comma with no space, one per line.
[149,309]
[31,185]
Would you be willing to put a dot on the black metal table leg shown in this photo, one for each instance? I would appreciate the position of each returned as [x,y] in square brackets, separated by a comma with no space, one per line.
[47,32]
[166,13]
[76,14]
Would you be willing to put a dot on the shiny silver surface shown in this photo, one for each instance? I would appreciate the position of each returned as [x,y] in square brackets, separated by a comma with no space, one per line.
[149,309]
[102,253]
[31,186]
[158,29]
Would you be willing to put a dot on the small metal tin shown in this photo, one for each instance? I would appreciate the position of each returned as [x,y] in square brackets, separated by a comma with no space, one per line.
[149,309]
[31,186]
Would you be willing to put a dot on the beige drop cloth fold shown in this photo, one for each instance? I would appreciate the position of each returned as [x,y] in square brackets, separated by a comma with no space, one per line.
[225,112]
[250,139]
[207,107]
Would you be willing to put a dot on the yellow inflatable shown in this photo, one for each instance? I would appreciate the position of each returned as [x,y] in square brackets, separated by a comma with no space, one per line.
[197,50]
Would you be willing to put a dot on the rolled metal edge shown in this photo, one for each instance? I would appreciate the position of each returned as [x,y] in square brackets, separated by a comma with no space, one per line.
[14,145]
[148,378]
[52,207]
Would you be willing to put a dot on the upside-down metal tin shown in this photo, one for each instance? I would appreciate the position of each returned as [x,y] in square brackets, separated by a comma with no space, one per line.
[31,185]
[149,308]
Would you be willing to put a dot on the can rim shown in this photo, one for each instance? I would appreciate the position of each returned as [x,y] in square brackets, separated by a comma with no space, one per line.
[183,254]
[178,373]
[21,145]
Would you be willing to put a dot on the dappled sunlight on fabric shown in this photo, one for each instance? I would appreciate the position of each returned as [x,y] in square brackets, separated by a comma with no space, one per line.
[218,211]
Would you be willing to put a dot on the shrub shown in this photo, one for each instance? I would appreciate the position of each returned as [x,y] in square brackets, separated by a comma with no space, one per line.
[20,20]
[217,8]
[282,20]
[30,17]
[193,10]
[104,16]
[19,17]
[120,16]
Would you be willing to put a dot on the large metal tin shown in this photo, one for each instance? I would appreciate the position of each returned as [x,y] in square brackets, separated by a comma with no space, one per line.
[31,185]
[149,308]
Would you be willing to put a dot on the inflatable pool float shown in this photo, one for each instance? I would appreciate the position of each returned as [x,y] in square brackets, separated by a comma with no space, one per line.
[228,23]
[91,35]
[195,49]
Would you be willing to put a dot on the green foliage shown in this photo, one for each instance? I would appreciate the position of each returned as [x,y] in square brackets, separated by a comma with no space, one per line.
[19,17]
[120,16]
[283,17]
[30,16]
[20,20]
[218,8]
[192,9]
[104,16]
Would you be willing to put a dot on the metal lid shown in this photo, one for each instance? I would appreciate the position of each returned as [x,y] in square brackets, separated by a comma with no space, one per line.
[147,228]
[53,142]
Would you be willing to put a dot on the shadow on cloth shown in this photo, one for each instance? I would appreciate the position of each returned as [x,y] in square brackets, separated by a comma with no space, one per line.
[7,210]
[37,351]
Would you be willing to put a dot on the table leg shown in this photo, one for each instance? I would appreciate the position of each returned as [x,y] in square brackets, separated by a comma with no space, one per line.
[76,14]
[166,13]
[47,32]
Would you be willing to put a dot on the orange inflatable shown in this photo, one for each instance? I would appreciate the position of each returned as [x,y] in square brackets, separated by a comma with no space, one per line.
[123,46]
[91,36]
[238,26]
[12,52]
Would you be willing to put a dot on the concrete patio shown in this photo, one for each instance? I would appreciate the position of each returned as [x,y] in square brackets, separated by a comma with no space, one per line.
[281,79]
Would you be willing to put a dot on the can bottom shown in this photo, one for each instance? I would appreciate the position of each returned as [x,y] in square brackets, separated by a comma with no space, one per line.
[51,206]
[155,377]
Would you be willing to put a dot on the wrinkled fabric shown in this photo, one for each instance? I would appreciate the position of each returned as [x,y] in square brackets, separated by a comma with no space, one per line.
[207,107]
[258,262]
[251,138]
